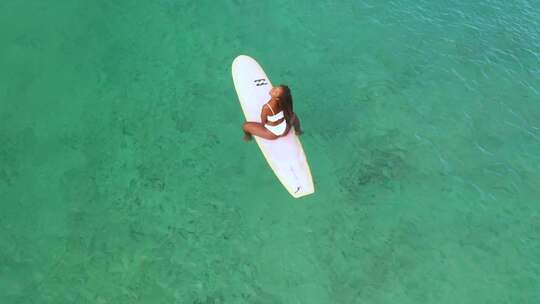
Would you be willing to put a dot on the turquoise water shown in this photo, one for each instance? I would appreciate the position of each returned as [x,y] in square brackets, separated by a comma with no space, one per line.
[124,179]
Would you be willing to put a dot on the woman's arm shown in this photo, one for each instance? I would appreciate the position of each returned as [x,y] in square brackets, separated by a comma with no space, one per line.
[296,124]
[264,117]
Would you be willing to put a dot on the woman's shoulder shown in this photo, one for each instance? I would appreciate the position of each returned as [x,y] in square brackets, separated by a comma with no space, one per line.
[274,105]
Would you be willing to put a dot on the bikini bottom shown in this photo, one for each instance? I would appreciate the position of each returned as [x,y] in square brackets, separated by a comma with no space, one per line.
[277,130]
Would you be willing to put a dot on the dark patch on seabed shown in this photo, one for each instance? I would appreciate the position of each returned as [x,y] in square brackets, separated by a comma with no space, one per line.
[374,167]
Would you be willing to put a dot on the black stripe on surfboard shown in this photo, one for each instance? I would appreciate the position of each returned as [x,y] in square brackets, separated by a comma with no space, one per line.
[260,82]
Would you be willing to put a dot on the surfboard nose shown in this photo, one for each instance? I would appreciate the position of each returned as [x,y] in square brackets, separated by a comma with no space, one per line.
[239,57]
[242,58]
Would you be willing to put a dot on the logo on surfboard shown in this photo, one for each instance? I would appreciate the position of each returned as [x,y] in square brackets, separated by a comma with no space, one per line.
[260,82]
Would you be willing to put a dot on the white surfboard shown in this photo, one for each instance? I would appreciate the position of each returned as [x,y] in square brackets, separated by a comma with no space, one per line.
[285,155]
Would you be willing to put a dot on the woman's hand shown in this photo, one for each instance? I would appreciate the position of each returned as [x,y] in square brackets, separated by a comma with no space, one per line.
[296,124]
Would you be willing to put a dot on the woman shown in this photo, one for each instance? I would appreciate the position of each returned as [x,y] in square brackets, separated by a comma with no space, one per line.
[277,116]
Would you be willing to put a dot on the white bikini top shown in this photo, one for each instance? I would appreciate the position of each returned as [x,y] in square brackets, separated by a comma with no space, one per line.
[275,117]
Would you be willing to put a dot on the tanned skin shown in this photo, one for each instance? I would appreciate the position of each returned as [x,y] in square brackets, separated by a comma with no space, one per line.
[251,128]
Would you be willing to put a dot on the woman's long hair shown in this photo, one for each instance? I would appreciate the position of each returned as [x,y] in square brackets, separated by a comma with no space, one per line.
[286,102]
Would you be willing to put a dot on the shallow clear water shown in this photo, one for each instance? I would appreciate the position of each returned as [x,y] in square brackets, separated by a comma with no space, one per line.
[124,179]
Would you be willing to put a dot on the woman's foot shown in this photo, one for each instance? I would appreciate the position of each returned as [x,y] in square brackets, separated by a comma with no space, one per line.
[247,137]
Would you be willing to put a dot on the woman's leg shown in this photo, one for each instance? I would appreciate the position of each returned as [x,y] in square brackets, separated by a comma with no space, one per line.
[257,129]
